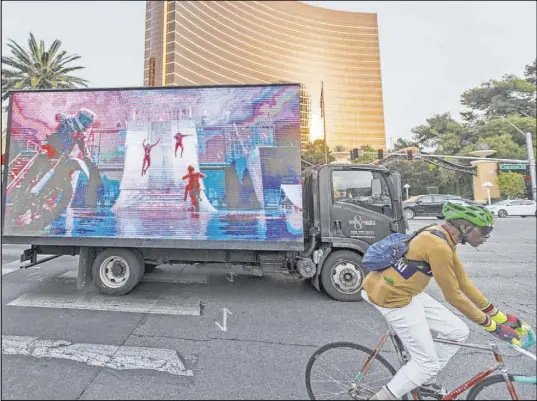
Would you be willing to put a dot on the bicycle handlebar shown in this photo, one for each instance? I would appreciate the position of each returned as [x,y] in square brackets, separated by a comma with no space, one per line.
[527,336]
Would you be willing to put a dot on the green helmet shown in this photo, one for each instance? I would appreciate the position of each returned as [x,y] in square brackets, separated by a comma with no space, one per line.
[476,215]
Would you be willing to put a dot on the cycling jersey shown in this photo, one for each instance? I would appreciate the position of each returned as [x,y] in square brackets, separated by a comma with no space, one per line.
[389,289]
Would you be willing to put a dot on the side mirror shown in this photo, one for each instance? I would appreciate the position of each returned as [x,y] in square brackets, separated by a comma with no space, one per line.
[419,202]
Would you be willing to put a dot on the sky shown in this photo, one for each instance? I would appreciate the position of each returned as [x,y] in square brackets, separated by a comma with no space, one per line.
[431,52]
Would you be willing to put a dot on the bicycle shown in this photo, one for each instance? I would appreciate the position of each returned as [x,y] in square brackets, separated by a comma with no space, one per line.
[356,386]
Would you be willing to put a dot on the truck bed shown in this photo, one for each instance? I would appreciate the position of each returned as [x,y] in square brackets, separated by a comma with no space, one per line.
[179,168]
[157,243]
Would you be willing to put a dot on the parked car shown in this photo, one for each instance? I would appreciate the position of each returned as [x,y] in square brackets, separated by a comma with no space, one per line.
[513,207]
[431,205]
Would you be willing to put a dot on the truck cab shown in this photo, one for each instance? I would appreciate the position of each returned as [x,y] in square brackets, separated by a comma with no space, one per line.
[348,207]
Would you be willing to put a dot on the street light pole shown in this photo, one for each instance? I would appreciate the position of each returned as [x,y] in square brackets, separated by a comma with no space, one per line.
[531,158]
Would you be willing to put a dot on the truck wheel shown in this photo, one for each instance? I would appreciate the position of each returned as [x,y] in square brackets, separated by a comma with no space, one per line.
[342,276]
[116,271]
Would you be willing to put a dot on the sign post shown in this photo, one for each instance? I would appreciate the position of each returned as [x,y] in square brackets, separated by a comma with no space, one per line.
[488,185]
[406,186]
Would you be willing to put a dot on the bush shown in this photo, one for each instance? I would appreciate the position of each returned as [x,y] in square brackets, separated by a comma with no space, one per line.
[511,185]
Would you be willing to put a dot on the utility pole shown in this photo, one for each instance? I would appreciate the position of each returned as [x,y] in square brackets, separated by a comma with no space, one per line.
[323,116]
[531,158]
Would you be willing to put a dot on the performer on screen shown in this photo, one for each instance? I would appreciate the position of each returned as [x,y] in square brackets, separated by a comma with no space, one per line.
[179,143]
[194,185]
[147,155]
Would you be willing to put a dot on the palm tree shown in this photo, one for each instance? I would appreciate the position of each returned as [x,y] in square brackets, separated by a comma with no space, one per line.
[37,68]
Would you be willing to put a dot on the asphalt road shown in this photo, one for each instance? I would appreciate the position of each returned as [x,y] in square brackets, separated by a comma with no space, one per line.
[165,340]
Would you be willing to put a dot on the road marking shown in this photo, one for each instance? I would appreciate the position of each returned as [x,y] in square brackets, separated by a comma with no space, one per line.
[165,306]
[14,266]
[226,311]
[156,277]
[106,356]
[231,277]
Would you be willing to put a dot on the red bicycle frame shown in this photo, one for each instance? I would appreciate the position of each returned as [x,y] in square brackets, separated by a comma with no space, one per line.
[500,365]
[473,381]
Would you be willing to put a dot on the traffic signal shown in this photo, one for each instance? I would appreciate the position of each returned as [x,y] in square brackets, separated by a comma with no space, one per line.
[380,154]
[409,154]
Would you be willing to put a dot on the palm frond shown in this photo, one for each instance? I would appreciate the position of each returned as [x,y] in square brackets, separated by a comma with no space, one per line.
[39,67]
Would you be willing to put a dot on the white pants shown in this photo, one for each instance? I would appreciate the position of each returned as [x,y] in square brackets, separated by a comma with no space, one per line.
[413,324]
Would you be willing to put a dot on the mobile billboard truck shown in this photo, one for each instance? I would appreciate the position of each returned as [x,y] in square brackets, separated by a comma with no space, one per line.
[129,179]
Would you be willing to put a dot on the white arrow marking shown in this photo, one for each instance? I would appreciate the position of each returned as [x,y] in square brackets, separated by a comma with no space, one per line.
[231,277]
[226,311]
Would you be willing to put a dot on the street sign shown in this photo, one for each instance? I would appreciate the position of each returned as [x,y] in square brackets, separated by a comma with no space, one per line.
[512,166]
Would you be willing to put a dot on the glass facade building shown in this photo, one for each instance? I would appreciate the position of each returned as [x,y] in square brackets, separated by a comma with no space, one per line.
[249,42]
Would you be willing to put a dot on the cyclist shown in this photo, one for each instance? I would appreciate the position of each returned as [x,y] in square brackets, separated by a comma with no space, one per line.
[413,314]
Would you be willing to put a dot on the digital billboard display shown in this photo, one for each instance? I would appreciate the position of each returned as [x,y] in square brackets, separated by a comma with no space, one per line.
[202,163]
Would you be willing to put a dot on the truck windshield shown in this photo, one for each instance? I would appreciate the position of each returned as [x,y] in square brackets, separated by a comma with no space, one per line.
[366,189]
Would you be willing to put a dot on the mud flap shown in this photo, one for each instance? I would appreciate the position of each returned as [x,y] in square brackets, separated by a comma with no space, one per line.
[85,264]
[315,282]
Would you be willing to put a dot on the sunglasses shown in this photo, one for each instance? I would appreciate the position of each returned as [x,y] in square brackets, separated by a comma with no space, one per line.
[485,231]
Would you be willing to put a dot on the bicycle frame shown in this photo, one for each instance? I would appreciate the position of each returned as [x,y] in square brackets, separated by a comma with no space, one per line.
[403,359]
[499,365]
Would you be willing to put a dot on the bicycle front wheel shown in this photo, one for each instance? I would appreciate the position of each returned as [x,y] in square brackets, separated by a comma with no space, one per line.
[495,388]
[334,369]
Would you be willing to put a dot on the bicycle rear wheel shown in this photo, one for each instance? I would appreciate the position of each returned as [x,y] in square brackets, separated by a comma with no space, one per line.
[495,388]
[333,370]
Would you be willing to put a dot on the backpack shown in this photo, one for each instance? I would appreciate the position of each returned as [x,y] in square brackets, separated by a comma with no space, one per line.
[391,251]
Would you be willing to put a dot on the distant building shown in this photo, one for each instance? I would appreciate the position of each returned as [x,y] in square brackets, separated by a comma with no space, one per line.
[250,42]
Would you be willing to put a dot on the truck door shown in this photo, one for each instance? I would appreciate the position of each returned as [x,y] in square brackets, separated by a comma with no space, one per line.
[361,205]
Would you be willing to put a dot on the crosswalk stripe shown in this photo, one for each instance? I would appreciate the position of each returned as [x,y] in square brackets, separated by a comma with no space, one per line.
[155,277]
[14,266]
[108,356]
[164,306]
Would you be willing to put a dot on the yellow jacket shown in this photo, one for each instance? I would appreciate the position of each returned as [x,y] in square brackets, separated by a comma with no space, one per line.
[389,289]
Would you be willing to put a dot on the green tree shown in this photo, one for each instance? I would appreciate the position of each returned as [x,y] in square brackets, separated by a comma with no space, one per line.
[500,126]
[417,173]
[511,98]
[531,72]
[402,143]
[39,68]
[443,132]
[510,95]
[314,152]
[511,184]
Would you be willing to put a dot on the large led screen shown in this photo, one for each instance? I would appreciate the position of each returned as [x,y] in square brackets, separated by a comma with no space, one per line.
[218,163]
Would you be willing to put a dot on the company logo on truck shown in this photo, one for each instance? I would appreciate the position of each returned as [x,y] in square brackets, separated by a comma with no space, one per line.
[358,223]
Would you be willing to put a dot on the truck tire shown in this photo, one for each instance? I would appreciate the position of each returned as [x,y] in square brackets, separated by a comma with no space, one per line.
[342,276]
[116,271]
